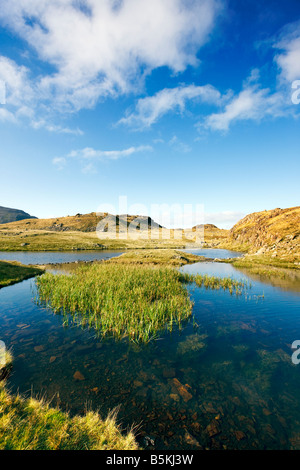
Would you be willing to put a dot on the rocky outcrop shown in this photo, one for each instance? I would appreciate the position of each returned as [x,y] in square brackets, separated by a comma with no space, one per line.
[274,231]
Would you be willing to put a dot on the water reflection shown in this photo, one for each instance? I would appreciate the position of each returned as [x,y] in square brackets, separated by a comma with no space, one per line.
[226,381]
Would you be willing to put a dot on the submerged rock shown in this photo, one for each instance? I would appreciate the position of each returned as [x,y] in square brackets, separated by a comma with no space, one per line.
[78,376]
[182,390]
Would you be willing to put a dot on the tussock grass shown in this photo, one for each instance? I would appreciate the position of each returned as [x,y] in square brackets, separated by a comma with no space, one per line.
[130,301]
[12,272]
[123,301]
[30,424]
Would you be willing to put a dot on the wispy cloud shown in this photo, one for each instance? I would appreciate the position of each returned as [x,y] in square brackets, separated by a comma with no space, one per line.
[179,146]
[252,103]
[288,59]
[89,156]
[150,109]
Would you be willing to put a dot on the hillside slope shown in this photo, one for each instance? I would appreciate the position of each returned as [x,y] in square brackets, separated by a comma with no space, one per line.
[275,231]
[80,222]
[8,215]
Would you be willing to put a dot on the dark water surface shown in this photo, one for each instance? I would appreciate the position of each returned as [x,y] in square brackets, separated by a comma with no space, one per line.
[226,381]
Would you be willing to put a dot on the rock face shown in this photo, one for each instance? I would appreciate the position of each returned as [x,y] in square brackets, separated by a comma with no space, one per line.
[8,215]
[270,232]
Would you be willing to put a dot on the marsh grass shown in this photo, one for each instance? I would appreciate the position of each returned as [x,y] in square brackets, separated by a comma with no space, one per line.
[122,301]
[31,424]
[226,283]
[130,301]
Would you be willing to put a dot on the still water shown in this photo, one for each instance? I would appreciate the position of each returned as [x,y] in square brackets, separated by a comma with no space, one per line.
[225,382]
[52,257]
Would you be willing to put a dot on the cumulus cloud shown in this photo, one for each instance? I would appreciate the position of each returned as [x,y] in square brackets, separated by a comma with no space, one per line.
[123,41]
[150,109]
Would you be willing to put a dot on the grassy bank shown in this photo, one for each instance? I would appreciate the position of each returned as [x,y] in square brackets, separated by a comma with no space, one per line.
[12,272]
[166,257]
[263,264]
[30,424]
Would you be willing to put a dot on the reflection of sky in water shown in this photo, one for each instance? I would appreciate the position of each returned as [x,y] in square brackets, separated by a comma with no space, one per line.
[214,253]
[233,359]
[40,257]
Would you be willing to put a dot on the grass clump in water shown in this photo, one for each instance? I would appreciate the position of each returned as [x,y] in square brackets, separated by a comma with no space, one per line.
[30,424]
[226,283]
[123,301]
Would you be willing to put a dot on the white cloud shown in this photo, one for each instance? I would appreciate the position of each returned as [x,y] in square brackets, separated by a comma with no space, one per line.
[42,123]
[252,103]
[289,58]
[89,156]
[150,109]
[22,97]
[100,48]
[92,154]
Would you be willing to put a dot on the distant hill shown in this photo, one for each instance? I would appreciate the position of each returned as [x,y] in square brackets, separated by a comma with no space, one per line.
[274,231]
[83,223]
[8,215]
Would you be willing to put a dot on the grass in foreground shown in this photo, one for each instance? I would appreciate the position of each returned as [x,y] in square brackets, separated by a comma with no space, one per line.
[30,424]
[12,272]
[125,300]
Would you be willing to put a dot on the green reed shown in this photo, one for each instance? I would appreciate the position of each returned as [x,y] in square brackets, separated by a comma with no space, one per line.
[125,300]
[226,283]
[118,300]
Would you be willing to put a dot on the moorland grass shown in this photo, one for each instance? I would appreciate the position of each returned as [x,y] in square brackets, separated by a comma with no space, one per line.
[12,272]
[31,424]
[130,301]
[43,240]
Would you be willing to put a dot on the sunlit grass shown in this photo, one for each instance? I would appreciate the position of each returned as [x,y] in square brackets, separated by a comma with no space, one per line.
[30,424]
[226,283]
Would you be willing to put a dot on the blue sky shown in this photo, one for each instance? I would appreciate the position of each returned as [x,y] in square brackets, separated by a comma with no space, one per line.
[164,102]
